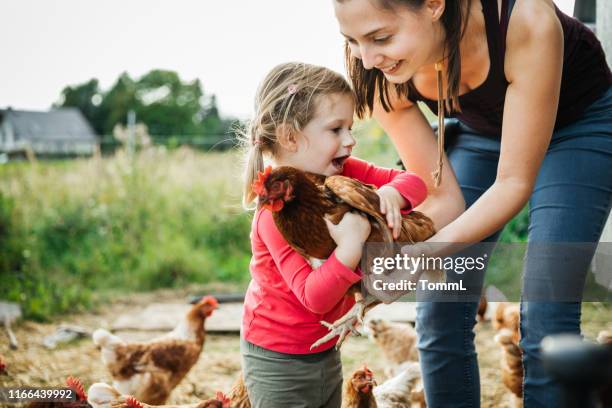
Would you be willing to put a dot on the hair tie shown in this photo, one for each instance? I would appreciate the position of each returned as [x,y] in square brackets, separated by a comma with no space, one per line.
[292,89]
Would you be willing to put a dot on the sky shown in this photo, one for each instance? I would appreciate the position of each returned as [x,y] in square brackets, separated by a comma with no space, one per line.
[229,45]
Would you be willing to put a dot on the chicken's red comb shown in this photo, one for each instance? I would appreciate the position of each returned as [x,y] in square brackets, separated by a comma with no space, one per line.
[366,369]
[258,185]
[76,385]
[133,402]
[211,300]
[2,366]
[223,399]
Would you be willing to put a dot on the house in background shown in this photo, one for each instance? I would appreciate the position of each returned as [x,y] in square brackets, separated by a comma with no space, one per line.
[62,132]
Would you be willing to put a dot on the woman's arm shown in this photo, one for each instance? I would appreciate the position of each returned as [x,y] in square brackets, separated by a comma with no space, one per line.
[534,61]
[416,143]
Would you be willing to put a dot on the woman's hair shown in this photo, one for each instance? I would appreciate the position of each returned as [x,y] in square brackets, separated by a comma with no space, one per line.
[367,83]
[286,97]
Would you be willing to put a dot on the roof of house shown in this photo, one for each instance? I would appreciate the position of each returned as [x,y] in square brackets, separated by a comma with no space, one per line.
[57,124]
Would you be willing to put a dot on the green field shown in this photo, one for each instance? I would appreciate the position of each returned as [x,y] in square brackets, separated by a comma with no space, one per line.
[75,230]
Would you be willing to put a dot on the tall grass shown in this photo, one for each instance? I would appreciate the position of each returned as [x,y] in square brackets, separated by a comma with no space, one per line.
[163,219]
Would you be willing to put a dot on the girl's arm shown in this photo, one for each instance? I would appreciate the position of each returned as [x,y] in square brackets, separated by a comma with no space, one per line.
[398,191]
[409,185]
[320,289]
[534,61]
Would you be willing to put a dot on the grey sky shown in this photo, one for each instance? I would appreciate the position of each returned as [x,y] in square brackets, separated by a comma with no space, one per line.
[229,45]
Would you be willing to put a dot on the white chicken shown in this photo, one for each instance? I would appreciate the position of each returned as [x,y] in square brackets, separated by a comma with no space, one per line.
[405,390]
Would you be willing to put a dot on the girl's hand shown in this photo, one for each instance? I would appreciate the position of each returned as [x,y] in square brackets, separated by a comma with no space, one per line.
[352,230]
[350,234]
[391,203]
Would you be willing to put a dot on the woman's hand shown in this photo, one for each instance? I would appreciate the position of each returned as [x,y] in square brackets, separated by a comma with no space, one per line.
[432,248]
[391,203]
[349,234]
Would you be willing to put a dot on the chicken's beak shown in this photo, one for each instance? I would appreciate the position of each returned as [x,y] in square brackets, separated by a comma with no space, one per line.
[211,308]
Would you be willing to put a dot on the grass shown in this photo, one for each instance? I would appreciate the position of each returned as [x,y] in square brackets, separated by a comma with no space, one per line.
[72,231]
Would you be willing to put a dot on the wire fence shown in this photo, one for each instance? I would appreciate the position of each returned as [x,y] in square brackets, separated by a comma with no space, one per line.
[209,142]
[66,147]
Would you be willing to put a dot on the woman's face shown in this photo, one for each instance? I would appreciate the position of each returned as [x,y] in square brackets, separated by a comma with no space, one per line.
[397,41]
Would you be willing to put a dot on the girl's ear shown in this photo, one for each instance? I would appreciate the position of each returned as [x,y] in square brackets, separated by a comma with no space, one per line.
[435,8]
[287,138]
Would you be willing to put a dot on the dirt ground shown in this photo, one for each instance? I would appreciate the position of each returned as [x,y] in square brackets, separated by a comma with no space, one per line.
[34,365]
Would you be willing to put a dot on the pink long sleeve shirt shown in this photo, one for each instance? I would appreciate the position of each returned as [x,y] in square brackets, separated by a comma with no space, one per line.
[287,298]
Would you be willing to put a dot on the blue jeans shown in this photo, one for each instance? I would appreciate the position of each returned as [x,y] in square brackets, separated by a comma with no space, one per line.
[570,203]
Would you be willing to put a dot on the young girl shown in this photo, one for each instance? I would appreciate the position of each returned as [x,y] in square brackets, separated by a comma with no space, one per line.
[303,119]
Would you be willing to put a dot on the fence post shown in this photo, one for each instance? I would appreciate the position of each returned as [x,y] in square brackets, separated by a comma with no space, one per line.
[29,152]
[604,32]
[131,127]
[604,27]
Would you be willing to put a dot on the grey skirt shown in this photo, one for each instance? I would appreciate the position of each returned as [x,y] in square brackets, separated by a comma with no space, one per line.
[279,380]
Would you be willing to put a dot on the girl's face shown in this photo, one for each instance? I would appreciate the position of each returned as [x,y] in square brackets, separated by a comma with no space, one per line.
[326,141]
[396,41]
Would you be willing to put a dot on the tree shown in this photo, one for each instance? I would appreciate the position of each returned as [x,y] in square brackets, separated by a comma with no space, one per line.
[118,101]
[168,106]
[87,98]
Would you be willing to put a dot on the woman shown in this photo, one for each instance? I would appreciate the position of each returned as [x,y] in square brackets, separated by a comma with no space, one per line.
[532,91]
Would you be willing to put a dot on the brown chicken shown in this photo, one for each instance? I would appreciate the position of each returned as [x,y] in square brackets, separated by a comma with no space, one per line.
[397,342]
[80,400]
[150,371]
[507,315]
[506,322]
[511,364]
[220,401]
[239,396]
[301,201]
[605,393]
[482,308]
[405,390]
[102,395]
[357,390]
[3,370]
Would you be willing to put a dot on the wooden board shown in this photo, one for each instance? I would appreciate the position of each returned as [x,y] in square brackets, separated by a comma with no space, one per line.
[227,318]
[165,316]
[397,312]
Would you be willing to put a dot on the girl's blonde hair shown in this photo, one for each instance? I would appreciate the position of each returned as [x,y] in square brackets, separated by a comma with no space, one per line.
[286,97]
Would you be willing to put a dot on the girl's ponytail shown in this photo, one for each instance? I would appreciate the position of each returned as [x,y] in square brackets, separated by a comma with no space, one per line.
[254,163]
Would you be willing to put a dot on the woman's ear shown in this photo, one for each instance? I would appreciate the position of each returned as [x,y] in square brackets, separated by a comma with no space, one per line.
[435,8]
[287,138]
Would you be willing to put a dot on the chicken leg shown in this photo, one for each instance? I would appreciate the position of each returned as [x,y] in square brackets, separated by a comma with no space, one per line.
[347,323]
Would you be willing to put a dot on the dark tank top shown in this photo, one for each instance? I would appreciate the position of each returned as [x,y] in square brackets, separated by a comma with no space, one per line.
[586,75]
